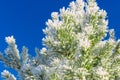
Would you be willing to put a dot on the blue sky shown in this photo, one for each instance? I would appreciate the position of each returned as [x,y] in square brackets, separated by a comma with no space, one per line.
[25,19]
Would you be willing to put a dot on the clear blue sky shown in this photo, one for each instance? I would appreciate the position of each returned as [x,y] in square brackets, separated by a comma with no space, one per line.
[25,19]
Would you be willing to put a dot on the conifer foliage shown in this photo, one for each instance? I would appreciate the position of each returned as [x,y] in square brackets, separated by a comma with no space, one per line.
[75,48]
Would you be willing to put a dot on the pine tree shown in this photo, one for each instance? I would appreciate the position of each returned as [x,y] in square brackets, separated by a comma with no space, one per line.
[76,48]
